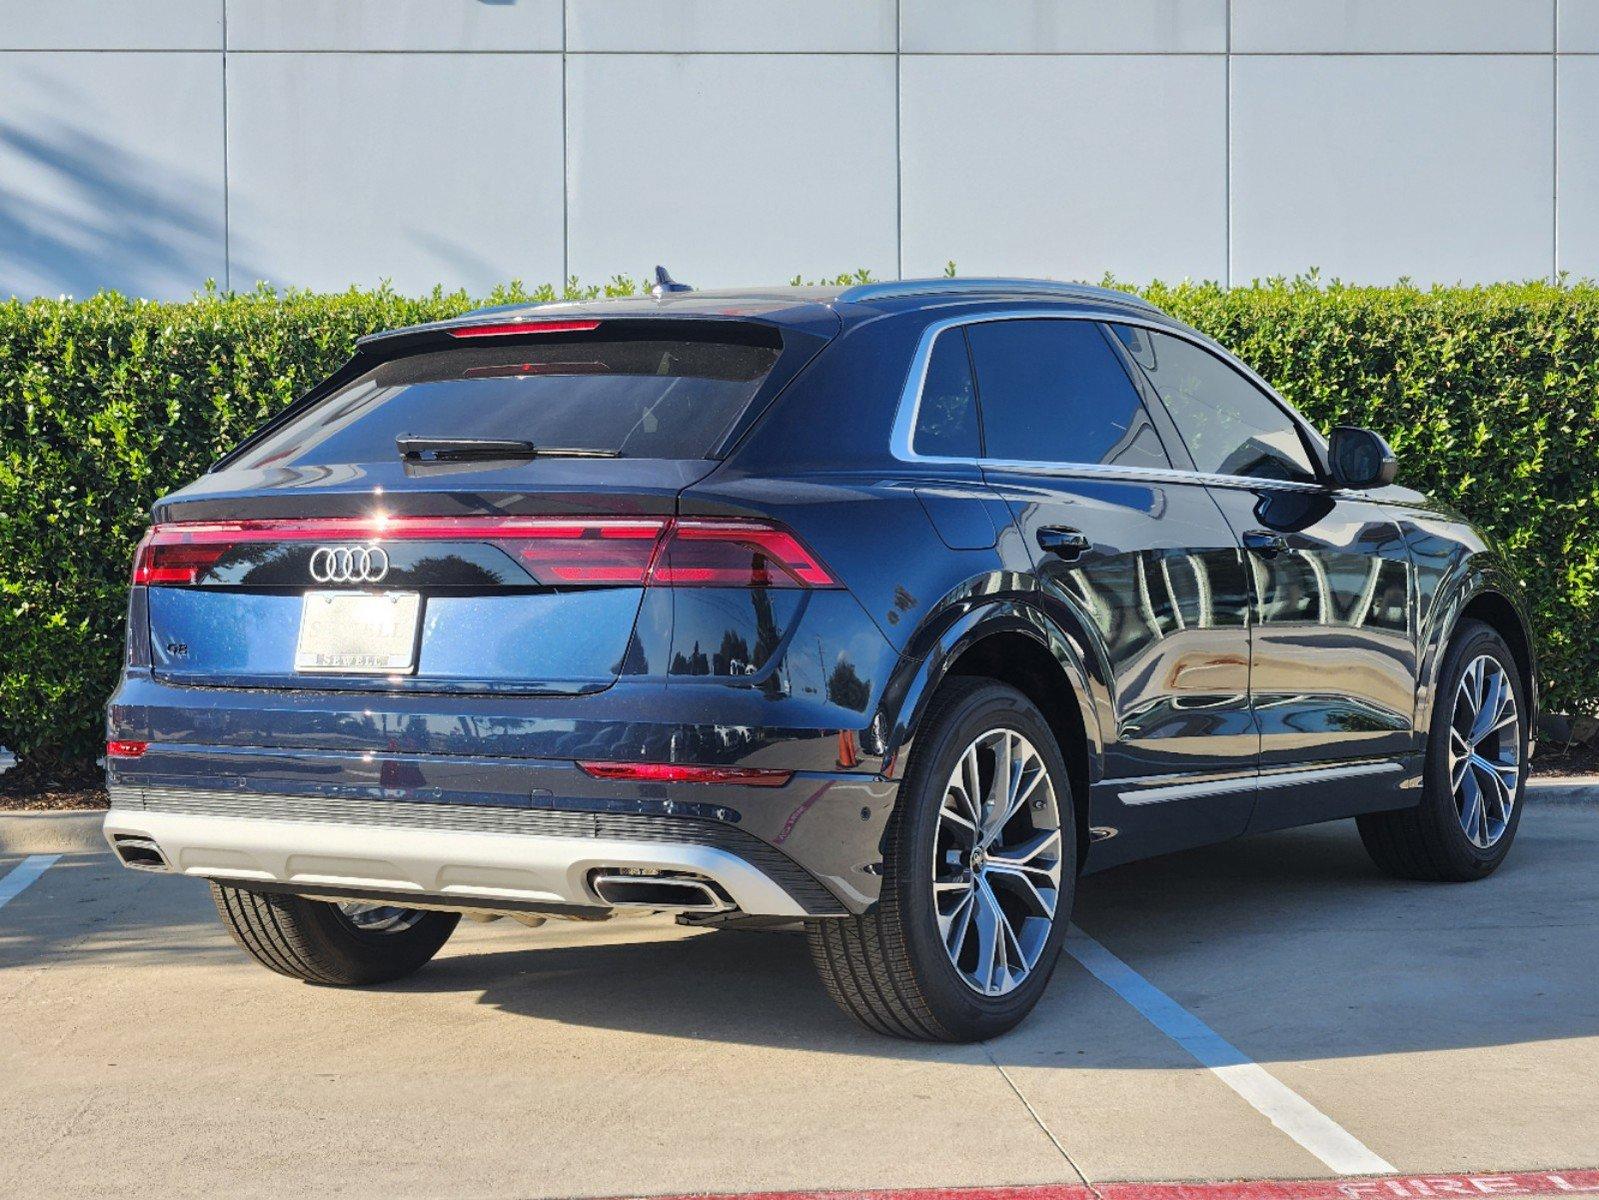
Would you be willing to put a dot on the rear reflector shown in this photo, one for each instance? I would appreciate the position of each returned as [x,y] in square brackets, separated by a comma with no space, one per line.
[122,749]
[679,773]
[555,551]
[513,328]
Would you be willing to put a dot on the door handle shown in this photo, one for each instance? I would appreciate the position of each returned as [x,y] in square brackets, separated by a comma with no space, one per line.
[1267,545]
[1064,543]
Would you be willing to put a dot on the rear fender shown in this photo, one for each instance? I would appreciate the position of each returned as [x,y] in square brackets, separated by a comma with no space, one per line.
[959,624]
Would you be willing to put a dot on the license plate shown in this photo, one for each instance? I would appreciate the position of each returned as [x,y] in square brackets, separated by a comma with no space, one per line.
[358,633]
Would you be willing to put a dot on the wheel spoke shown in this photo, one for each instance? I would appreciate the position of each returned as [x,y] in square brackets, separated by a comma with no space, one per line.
[954,818]
[1024,856]
[1502,780]
[990,947]
[1493,800]
[1015,957]
[1470,796]
[1021,794]
[1040,900]
[971,784]
[1492,705]
[952,928]
[1475,676]
[1003,785]
[1507,719]
[1010,963]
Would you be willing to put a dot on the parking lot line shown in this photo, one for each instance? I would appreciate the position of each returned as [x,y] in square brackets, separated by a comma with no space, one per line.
[24,873]
[1285,1108]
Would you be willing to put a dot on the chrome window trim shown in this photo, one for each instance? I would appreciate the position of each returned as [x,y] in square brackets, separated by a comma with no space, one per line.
[910,402]
[1266,780]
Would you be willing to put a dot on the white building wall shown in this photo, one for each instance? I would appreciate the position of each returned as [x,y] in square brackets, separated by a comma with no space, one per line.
[320,143]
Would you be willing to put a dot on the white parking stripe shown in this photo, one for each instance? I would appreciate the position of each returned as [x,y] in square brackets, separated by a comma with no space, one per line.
[1282,1106]
[24,873]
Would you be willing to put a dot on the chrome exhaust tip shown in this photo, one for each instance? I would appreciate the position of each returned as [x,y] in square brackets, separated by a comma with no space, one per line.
[677,893]
[139,853]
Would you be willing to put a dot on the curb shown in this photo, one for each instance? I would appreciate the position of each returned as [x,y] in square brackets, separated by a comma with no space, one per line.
[76,831]
[1571,791]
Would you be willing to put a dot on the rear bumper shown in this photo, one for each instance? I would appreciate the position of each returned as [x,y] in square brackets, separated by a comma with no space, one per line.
[477,855]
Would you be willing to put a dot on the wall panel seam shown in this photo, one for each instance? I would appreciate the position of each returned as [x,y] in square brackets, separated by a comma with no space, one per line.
[566,161]
[227,181]
[899,142]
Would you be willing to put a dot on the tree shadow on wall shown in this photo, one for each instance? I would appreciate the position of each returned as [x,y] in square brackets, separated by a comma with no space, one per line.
[79,213]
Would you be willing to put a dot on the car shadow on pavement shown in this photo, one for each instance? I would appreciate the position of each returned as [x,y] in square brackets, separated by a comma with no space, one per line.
[1291,945]
[88,904]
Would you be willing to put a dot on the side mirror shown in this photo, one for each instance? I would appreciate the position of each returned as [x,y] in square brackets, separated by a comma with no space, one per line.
[1360,458]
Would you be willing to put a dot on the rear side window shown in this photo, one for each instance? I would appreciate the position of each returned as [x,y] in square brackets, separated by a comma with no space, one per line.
[1229,425]
[946,418]
[639,394]
[1054,391]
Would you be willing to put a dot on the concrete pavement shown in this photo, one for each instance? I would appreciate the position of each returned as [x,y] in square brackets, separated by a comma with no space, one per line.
[1448,1028]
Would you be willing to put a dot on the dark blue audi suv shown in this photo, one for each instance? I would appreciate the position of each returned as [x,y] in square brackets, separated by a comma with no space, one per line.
[885,610]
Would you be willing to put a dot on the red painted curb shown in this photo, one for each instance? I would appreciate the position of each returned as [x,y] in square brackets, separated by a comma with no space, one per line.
[1383,1187]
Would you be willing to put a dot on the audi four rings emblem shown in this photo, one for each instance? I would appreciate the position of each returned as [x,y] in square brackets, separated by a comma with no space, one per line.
[349,564]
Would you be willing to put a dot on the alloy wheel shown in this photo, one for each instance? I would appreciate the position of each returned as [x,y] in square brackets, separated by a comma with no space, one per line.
[379,918]
[997,862]
[1485,751]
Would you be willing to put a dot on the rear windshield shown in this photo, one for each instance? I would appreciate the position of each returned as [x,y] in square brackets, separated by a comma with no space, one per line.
[638,394]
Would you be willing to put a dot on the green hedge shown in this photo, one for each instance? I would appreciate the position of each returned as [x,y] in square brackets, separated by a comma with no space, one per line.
[1490,395]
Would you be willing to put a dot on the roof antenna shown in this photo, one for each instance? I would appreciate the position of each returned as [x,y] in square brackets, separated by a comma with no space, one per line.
[664,283]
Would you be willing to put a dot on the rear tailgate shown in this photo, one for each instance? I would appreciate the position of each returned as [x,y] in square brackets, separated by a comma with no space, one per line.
[324,556]
[480,598]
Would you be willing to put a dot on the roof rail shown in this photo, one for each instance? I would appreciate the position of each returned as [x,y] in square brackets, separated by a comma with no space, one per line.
[957,286]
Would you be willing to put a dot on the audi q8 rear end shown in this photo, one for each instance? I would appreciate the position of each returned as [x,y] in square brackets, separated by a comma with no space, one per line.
[470,628]
[884,610]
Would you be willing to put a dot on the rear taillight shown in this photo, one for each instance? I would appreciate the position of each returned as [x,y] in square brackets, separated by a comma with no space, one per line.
[680,773]
[118,748]
[679,553]
[171,562]
[711,553]
[555,551]
[619,553]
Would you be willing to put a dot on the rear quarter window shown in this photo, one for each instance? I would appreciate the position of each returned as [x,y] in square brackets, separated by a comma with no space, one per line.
[641,392]
[946,413]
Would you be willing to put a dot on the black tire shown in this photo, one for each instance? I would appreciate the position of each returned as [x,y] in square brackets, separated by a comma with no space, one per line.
[314,941]
[1429,842]
[890,969]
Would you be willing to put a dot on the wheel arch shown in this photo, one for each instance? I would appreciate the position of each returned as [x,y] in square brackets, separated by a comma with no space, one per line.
[1503,616]
[1485,595]
[1016,644]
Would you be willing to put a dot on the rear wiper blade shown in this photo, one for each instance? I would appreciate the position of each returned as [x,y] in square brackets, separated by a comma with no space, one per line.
[414,448]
